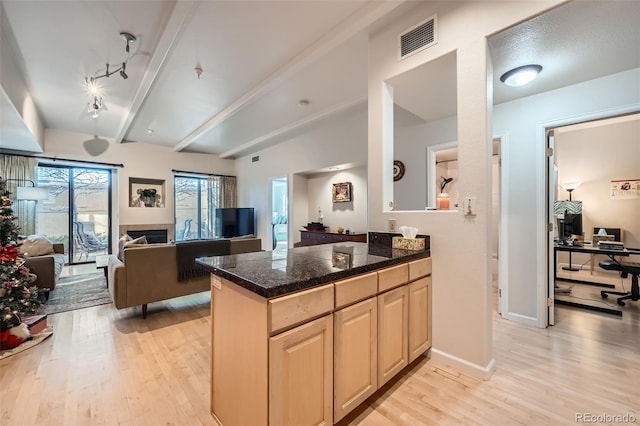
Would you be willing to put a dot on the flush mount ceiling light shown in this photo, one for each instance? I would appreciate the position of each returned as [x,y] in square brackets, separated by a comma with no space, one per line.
[521,75]
[92,85]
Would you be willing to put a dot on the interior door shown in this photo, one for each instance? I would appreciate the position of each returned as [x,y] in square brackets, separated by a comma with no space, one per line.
[552,178]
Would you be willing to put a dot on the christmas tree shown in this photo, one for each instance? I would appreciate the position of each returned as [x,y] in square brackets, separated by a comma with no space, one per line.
[17,295]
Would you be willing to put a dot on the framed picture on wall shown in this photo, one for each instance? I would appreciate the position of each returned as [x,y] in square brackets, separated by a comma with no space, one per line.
[341,192]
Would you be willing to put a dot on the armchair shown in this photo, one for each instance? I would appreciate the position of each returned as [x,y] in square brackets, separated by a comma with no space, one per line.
[47,268]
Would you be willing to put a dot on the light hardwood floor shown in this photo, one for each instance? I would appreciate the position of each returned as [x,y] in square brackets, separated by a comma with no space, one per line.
[106,367]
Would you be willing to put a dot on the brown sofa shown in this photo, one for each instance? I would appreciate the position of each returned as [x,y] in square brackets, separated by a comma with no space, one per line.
[47,268]
[149,272]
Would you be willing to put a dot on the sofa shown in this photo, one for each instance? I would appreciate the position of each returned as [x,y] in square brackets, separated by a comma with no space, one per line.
[47,268]
[149,272]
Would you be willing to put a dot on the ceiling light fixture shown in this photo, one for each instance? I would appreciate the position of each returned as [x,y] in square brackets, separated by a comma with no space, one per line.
[303,103]
[521,75]
[123,74]
[93,86]
[94,108]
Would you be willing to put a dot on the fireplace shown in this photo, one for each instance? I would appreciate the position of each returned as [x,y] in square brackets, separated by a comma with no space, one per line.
[153,235]
[155,232]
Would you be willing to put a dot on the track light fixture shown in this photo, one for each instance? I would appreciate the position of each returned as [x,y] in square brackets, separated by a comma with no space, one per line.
[91,82]
[94,108]
[123,74]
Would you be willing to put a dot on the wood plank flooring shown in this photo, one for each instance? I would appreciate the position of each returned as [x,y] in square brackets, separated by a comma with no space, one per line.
[108,367]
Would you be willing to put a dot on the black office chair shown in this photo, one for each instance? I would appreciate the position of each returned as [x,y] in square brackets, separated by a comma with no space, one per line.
[626,268]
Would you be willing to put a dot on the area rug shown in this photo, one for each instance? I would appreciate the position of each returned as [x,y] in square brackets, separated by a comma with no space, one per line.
[77,292]
[36,338]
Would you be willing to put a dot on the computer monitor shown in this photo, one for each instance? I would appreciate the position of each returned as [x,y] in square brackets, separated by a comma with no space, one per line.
[572,224]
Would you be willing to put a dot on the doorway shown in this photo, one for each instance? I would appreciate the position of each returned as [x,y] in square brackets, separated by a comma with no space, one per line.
[78,211]
[587,173]
[279,216]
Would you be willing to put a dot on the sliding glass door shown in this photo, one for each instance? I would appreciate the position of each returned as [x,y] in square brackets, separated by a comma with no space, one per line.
[194,208]
[78,211]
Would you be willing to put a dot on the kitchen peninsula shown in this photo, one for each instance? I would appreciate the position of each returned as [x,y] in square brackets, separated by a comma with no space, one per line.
[304,336]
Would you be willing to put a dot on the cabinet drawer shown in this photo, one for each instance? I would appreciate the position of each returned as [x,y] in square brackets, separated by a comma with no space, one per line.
[419,268]
[392,277]
[298,307]
[354,289]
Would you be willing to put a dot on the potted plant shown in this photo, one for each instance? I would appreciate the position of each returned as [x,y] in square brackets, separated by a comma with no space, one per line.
[148,196]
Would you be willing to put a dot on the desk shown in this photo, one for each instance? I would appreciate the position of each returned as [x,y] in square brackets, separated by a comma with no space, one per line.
[593,251]
[585,249]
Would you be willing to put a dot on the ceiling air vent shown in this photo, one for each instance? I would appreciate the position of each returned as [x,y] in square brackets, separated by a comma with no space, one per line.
[418,37]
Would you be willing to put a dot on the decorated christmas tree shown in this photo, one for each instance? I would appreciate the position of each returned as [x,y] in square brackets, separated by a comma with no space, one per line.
[17,294]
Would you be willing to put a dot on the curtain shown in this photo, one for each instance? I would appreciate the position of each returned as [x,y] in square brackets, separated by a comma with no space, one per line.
[221,192]
[22,169]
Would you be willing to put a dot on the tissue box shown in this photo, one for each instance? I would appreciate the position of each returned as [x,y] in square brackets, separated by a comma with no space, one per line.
[407,243]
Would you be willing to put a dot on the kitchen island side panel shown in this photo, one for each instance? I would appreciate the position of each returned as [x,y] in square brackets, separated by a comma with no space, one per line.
[239,355]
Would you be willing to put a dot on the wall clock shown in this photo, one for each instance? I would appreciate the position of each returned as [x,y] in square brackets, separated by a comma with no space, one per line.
[398,170]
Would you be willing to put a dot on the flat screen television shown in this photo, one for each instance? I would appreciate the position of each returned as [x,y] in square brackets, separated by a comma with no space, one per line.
[235,222]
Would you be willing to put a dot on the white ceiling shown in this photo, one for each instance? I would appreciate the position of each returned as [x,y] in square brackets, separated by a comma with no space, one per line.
[260,58]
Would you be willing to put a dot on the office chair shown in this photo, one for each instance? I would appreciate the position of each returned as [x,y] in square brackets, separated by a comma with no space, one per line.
[626,268]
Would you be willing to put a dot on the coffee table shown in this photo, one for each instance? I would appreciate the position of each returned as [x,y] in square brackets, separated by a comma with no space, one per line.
[102,262]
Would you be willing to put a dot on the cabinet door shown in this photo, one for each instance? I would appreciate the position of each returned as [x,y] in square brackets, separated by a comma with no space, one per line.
[419,317]
[356,356]
[392,333]
[301,375]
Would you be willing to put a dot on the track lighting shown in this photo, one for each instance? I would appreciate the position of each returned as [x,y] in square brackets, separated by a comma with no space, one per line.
[91,82]
[94,108]
[123,74]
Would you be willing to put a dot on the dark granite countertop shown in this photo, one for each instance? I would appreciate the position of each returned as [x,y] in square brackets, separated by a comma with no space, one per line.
[277,273]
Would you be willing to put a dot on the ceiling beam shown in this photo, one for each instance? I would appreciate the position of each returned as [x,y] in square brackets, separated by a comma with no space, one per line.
[176,23]
[351,26]
[254,144]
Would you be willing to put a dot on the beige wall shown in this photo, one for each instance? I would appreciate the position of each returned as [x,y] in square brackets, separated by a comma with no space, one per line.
[349,215]
[141,161]
[596,153]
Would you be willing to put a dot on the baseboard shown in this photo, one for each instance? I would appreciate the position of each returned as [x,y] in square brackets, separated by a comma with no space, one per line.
[520,319]
[464,366]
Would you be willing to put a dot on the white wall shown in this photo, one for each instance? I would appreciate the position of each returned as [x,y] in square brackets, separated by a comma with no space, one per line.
[140,160]
[461,247]
[410,192]
[522,123]
[350,215]
[17,106]
[342,140]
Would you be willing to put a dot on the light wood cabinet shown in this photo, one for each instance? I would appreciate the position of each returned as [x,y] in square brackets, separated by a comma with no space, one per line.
[393,310]
[419,317]
[393,277]
[355,356]
[311,357]
[301,375]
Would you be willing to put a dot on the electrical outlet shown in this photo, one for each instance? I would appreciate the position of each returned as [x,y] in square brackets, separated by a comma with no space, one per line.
[392,225]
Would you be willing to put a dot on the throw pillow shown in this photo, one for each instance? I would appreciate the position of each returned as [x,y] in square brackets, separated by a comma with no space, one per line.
[123,240]
[35,245]
[136,242]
